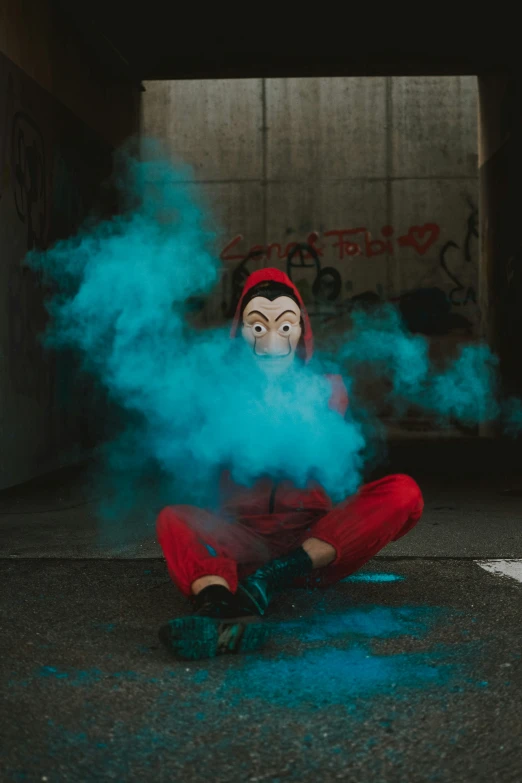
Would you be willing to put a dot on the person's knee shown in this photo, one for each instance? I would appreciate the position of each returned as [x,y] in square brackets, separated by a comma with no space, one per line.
[406,491]
[170,517]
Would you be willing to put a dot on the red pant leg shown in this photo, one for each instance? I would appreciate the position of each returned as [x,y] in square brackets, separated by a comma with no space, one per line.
[380,512]
[186,532]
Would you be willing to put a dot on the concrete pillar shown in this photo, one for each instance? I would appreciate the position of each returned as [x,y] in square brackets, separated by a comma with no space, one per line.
[500,164]
[61,114]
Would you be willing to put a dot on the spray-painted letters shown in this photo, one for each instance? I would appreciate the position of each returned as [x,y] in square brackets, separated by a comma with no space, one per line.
[319,267]
[348,242]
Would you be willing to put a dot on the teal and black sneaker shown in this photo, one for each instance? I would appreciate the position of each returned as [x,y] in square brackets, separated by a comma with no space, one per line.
[256,591]
[218,625]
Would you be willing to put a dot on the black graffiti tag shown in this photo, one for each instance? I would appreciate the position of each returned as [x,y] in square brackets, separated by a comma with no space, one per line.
[29,180]
[472,230]
[28,369]
[471,233]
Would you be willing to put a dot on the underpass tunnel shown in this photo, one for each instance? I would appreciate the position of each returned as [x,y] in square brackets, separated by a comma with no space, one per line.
[380,178]
[401,178]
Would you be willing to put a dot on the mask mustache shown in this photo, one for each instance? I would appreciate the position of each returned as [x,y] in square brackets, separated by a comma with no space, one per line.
[272,357]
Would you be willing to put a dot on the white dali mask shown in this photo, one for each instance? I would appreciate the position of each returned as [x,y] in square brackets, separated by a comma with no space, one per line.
[273,330]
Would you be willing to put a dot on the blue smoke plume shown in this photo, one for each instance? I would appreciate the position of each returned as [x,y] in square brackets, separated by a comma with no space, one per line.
[195,400]
[466,389]
[192,402]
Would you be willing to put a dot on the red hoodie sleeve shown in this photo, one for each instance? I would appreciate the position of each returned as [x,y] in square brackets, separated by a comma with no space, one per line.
[339,395]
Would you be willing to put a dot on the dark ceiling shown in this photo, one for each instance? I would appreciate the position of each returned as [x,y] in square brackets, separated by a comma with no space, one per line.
[153,41]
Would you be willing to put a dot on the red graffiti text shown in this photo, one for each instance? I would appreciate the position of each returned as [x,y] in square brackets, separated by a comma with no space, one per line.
[348,242]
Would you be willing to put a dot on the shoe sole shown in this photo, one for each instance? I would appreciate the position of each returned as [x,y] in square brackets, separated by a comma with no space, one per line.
[196,638]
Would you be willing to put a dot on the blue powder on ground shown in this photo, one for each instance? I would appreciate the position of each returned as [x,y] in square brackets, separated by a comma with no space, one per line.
[74,677]
[323,676]
[141,745]
[378,622]
[332,676]
[88,677]
[50,671]
[127,676]
[85,677]
[373,578]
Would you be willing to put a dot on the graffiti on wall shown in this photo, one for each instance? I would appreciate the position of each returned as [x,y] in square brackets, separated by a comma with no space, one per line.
[29,181]
[461,294]
[29,178]
[347,242]
[430,310]
[51,168]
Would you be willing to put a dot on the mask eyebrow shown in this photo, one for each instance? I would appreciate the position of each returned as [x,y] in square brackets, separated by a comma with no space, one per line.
[257,313]
[285,312]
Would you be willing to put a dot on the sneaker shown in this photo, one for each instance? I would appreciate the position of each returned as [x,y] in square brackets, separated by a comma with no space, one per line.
[218,625]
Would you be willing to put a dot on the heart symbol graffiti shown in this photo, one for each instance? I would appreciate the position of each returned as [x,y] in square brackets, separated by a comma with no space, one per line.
[415,237]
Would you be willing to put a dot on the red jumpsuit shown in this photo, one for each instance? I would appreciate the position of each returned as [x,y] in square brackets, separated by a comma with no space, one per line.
[269,519]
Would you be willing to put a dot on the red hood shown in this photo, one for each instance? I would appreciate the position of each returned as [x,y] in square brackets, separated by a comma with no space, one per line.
[263,275]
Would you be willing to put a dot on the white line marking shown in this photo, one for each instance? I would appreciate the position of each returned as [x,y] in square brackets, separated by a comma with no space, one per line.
[510,568]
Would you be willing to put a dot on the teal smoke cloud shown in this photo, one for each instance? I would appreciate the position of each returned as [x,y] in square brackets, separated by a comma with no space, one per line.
[192,400]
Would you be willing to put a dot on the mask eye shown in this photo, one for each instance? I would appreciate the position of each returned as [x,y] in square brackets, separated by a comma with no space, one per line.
[259,330]
[285,328]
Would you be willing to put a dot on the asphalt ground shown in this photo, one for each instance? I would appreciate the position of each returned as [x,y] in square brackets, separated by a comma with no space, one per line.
[409,671]
[415,676]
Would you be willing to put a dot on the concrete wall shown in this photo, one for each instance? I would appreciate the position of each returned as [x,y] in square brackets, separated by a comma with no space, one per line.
[278,159]
[384,170]
[57,129]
